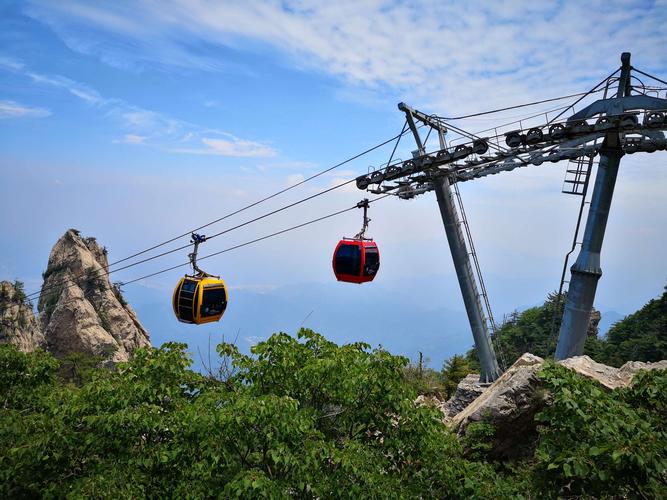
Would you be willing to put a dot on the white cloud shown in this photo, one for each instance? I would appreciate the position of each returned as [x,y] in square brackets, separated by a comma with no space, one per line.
[294,179]
[77,89]
[233,147]
[10,63]
[12,109]
[452,56]
[131,139]
[239,147]
[144,126]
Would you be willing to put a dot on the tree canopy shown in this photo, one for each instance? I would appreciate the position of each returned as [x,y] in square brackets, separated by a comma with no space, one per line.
[300,417]
[641,336]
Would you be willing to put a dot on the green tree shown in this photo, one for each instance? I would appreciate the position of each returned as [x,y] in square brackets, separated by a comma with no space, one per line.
[641,336]
[535,330]
[453,371]
[298,417]
[426,381]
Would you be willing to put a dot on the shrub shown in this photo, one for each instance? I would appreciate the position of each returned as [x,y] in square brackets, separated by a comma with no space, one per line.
[598,443]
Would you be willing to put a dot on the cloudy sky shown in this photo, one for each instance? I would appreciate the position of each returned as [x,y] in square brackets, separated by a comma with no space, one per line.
[136,121]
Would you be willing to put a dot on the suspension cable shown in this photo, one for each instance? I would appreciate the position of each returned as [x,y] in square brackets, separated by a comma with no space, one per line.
[235,212]
[38,294]
[106,272]
[534,103]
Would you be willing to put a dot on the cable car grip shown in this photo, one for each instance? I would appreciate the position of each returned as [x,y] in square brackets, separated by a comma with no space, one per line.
[363,204]
[196,239]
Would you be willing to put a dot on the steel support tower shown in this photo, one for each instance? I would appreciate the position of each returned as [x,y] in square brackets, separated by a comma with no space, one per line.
[633,121]
[586,270]
[489,369]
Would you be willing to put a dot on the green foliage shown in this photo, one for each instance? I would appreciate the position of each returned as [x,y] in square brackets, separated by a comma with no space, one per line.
[93,281]
[22,376]
[299,417]
[598,443]
[51,301]
[19,292]
[641,336]
[304,417]
[116,289]
[424,380]
[13,295]
[78,368]
[477,439]
[53,269]
[453,371]
[535,330]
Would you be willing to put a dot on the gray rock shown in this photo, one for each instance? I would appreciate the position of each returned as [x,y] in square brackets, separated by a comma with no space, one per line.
[18,325]
[80,310]
[608,376]
[469,389]
[509,404]
[512,401]
[629,369]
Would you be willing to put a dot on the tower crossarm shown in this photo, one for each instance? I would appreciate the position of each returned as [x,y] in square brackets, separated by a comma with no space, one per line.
[619,105]
[639,119]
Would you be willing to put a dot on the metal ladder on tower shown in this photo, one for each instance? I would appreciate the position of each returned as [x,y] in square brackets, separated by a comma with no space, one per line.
[577,177]
[483,296]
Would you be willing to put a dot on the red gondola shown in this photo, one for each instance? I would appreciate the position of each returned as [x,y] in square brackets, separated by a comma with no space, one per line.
[357,260]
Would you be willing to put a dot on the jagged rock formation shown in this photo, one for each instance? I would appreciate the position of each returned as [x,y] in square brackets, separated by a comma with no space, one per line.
[80,310]
[18,324]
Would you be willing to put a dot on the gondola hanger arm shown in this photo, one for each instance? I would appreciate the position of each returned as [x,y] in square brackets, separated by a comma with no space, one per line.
[363,204]
[196,239]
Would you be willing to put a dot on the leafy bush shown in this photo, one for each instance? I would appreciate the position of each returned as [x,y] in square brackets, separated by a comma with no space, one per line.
[304,417]
[424,380]
[53,269]
[300,417]
[50,302]
[599,443]
[93,280]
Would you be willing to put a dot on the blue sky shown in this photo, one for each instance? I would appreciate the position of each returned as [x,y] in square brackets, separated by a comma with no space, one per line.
[135,121]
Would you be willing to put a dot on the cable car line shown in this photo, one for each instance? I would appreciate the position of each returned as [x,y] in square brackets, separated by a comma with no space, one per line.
[650,76]
[534,103]
[266,198]
[594,89]
[397,138]
[231,214]
[40,293]
[234,247]
[105,271]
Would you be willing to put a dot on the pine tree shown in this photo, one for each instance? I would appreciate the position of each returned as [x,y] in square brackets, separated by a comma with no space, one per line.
[453,371]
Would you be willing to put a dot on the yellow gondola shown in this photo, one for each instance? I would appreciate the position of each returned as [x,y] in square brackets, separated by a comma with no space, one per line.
[199,298]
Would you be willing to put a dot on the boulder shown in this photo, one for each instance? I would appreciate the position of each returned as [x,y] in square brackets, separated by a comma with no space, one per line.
[512,401]
[509,404]
[469,389]
[18,325]
[80,310]
[608,376]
